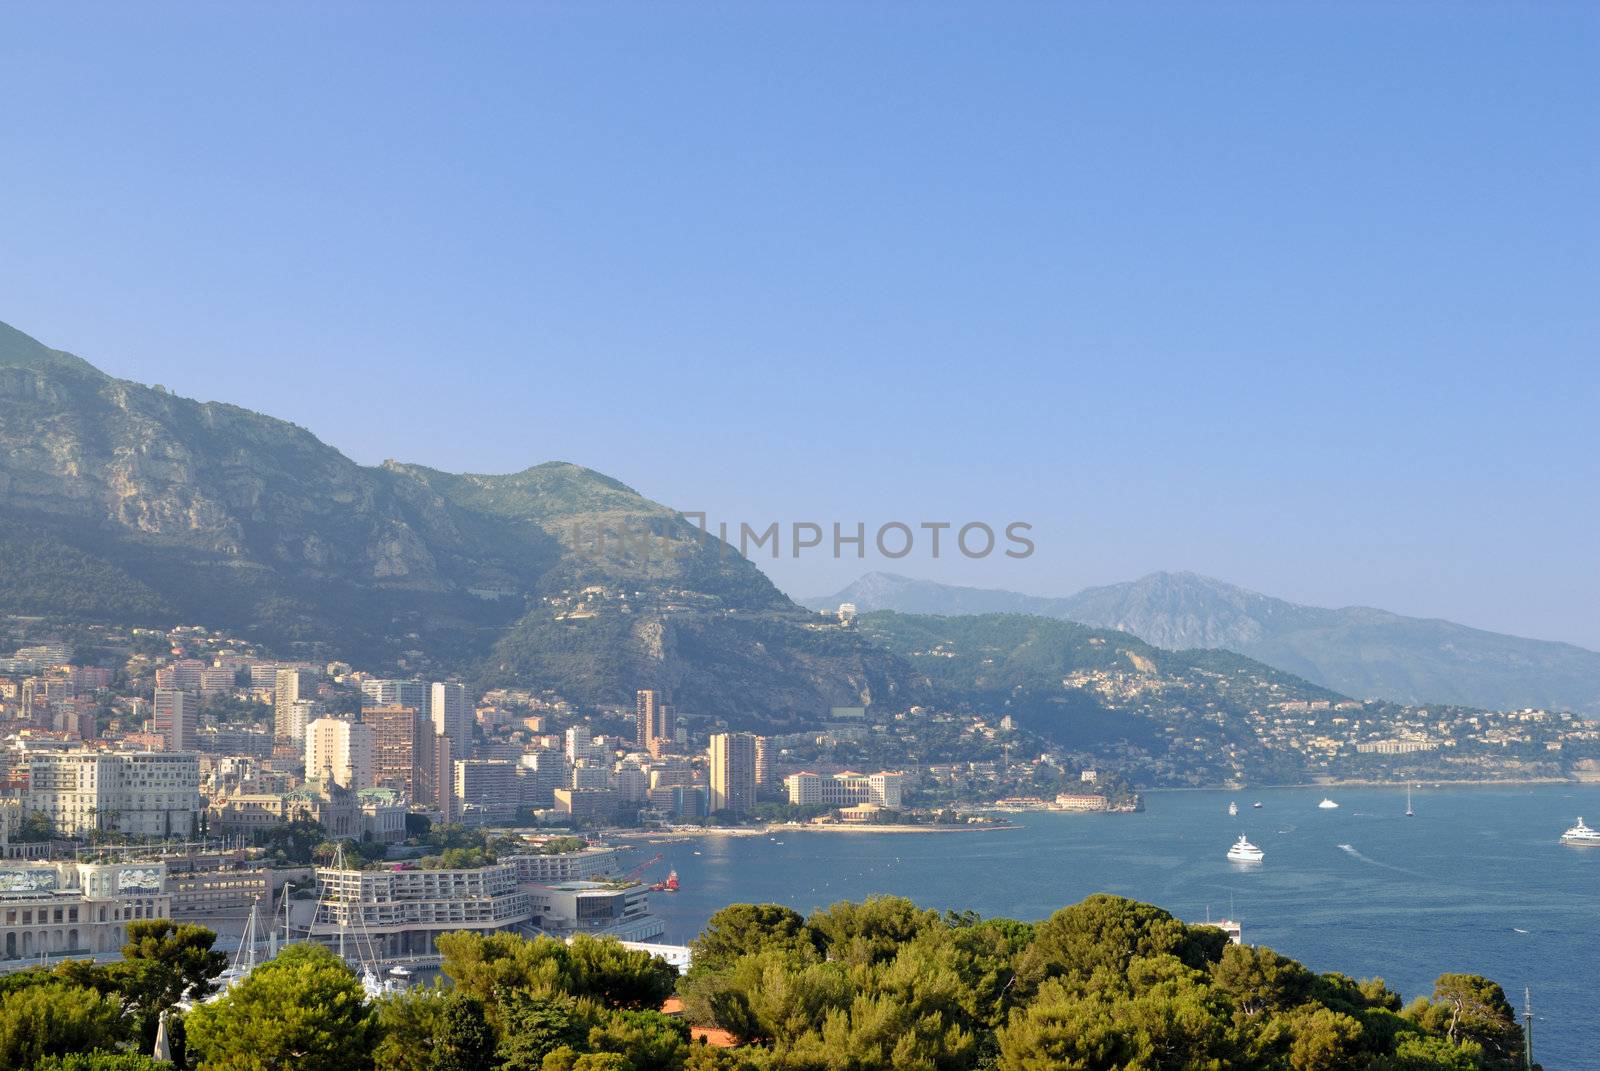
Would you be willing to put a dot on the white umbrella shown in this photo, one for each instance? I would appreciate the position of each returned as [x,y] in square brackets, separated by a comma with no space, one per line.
[162,1050]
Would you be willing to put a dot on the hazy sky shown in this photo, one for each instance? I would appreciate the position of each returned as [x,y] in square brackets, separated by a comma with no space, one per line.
[1300,296]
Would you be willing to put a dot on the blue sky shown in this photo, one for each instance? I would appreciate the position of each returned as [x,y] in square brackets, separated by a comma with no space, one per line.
[1300,296]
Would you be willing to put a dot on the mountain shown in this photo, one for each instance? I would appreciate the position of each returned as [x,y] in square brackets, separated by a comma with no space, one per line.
[1171,717]
[126,503]
[1357,651]
[906,595]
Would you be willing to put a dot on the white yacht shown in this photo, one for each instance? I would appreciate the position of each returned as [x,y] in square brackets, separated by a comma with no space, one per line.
[1233,808]
[1328,805]
[1581,834]
[1245,852]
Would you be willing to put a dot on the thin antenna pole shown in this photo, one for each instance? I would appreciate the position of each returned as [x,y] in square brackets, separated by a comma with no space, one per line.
[1527,1028]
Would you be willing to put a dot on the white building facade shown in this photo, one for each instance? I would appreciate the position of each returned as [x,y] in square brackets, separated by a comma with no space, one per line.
[340,749]
[883,789]
[57,909]
[140,794]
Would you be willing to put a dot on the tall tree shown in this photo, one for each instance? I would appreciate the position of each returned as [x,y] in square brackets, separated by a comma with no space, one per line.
[741,929]
[463,1040]
[1479,1012]
[533,1027]
[162,962]
[618,977]
[303,1011]
[407,1024]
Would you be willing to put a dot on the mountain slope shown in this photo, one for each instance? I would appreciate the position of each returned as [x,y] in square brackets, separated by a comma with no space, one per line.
[1356,651]
[1170,715]
[126,503]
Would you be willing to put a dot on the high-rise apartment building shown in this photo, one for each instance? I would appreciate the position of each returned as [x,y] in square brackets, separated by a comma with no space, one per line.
[302,712]
[173,718]
[489,788]
[654,722]
[442,779]
[581,744]
[763,763]
[341,750]
[548,770]
[396,693]
[291,685]
[452,716]
[399,735]
[408,756]
[217,680]
[732,764]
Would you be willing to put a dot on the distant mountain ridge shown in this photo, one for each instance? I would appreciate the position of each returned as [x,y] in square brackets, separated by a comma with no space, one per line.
[1356,651]
[1174,717]
[126,503]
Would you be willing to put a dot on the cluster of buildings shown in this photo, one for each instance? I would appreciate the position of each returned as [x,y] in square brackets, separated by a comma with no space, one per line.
[398,913]
[81,907]
[173,768]
[142,750]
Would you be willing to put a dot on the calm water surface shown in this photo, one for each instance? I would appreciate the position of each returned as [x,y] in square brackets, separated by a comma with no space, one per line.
[1477,881]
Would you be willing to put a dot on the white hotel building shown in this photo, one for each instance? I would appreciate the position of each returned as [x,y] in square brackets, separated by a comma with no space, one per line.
[882,789]
[138,793]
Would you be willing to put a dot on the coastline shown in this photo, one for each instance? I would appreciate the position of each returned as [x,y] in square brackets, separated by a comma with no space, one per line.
[980,827]
[1368,783]
[659,836]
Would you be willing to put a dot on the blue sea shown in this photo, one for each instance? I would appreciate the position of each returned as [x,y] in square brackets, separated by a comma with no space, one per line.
[1478,881]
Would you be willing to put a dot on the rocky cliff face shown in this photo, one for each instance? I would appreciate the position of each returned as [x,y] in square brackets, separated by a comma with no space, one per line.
[126,503]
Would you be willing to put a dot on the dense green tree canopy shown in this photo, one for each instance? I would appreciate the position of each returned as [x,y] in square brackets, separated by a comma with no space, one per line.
[1104,985]
[162,962]
[744,928]
[303,1011]
[51,1018]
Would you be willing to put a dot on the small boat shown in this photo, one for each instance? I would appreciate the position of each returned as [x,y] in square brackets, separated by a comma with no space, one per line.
[1581,834]
[1256,805]
[1233,808]
[1245,852]
[1327,804]
[1409,812]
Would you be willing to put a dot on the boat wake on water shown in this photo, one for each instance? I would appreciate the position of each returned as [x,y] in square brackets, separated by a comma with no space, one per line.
[1350,849]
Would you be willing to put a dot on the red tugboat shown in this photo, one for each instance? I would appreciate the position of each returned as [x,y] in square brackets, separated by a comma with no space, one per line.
[670,885]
